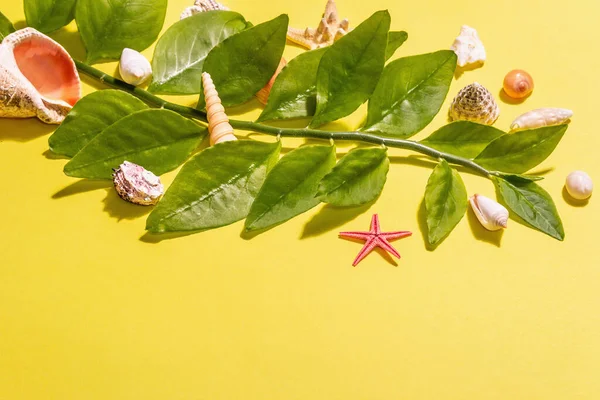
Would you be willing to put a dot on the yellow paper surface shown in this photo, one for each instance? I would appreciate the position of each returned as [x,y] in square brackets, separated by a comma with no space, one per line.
[92,308]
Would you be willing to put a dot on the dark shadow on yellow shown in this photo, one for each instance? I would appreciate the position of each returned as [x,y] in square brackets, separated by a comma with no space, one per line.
[53,156]
[511,100]
[330,218]
[20,24]
[461,70]
[120,209]
[155,238]
[482,234]
[573,202]
[23,130]
[81,186]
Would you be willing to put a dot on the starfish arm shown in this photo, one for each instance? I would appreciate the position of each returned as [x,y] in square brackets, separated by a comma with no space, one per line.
[385,245]
[395,235]
[367,248]
[297,36]
[375,224]
[356,235]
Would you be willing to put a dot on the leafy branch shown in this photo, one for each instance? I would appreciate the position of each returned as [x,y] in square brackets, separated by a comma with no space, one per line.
[247,179]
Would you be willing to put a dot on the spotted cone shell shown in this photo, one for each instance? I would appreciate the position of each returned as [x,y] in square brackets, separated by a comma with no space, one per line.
[38,78]
[475,103]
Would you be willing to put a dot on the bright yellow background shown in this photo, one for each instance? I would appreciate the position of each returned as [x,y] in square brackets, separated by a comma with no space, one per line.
[91,308]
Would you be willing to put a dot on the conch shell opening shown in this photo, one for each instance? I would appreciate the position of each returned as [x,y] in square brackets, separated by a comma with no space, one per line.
[38,78]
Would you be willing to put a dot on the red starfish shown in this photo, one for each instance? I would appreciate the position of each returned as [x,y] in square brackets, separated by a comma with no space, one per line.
[375,238]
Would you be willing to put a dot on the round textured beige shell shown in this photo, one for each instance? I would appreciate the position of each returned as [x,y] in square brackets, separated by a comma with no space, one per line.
[38,78]
[474,103]
[219,128]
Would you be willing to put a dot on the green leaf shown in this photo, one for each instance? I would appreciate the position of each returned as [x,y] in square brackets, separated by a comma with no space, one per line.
[518,178]
[242,64]
[294,93]
[291,186]
[410,93]
[108,26]
[90,116]
[445,202]
[462,138]
[349,70]
[533,204]
[6,27]
[49,15]
[357,179]
[395,40]
[180,53]
[159,140]
[520,151]
[215,188]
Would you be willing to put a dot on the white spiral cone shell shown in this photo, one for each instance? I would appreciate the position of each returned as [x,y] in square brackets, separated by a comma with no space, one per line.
[541,117]
[492,215]
[219,128]
[38,78]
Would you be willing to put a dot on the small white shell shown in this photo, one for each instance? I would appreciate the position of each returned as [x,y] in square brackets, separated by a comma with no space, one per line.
[541,117]
[492,215]
[475,103]
[134,68]
[202,6]
[579,185]
[468,47]
[137,185]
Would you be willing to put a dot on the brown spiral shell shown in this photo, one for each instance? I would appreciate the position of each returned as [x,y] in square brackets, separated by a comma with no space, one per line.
[219,128]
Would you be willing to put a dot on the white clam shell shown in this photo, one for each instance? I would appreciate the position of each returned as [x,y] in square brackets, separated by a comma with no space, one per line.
[474,103]
[137,185]
[468,47]
[541,117]
[134,68]
[491,214]
[579,185]
[38,78]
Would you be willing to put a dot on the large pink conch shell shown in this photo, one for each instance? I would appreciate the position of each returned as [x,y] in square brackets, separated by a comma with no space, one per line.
[38,78]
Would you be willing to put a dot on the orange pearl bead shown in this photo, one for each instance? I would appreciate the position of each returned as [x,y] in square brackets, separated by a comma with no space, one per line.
[518,84]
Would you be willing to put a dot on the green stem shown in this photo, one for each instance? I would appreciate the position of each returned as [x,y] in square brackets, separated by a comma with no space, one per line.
[284,132]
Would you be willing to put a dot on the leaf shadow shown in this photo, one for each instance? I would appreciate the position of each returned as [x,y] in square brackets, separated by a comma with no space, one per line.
[23,130]
[422,222]
[329,218]
[511,100]
[120,209]
[20,24]
[156,238]
[50,155]
[541,172]
[245,108]
[71,41]
[572,201]
[467,68]
[81,186]
[482,234]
